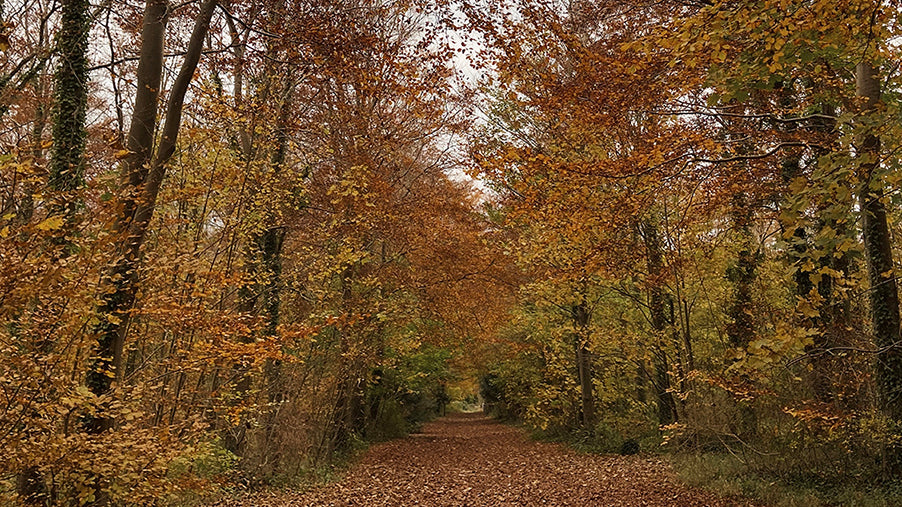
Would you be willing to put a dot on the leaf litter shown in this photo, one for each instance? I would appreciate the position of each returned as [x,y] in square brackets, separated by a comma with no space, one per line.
[472,460]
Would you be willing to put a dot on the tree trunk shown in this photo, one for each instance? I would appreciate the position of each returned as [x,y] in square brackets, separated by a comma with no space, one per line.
[667,408]
[581,317]
[264,256]
[802,251]
[144,171]
[347,399]
[884,297]
[741,331]
[140,145]
[272,240]
[67,163]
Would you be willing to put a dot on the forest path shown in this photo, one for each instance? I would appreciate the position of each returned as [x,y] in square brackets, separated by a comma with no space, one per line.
[471,460]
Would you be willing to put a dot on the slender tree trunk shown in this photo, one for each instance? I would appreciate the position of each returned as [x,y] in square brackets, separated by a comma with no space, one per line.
[343,419]
[272,240]
[687,332]
[830,321]
[30,485]
[25,208]
[641,395]
[264,256]
[798,256]
[581,318]
[667,408]
[741,330]
[144,171]
[67,163]
[884,296]
[140,145]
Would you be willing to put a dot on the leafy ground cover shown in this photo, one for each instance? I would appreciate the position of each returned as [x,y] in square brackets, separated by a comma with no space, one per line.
[469,459]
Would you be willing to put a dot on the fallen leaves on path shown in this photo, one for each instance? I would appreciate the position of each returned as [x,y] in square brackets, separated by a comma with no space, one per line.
[470,460]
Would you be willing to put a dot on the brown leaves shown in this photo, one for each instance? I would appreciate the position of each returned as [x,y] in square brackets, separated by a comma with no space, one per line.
[468,459]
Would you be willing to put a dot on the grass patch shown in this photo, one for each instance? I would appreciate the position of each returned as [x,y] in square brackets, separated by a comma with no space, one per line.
[604,440]
[725,475]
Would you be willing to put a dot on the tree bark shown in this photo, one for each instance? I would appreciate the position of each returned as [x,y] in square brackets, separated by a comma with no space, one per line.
[884,296]
[122,277]
[67,163]
[581,318]
[667,408]
[741,331]
[144,173]
[348,398]
[801,251]
[264,265]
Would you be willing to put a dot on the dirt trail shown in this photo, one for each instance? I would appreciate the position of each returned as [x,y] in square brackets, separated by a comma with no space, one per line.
[470,460]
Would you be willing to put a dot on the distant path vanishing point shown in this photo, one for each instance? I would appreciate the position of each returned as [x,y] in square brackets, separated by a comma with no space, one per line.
[471,460]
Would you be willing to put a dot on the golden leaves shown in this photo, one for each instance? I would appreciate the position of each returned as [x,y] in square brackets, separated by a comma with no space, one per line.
[51,223]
